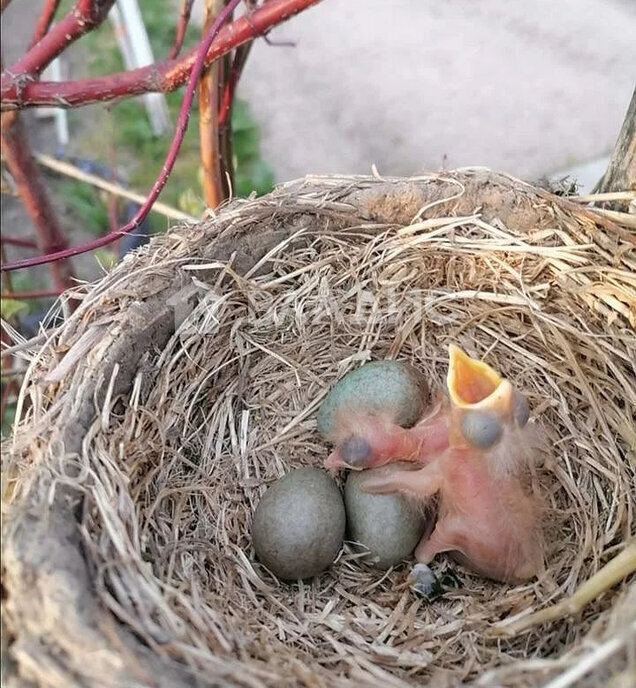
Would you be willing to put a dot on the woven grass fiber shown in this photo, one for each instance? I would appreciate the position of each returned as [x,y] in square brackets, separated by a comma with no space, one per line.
[187,380]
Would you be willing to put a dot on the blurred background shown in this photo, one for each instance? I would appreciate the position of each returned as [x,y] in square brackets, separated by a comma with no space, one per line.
[536,89]
[531,88]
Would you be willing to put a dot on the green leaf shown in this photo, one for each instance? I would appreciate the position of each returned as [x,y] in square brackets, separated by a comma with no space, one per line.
[7,420]
[246,144]
[11,308]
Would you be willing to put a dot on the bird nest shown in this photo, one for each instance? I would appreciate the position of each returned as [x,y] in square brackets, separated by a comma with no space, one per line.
[188,379]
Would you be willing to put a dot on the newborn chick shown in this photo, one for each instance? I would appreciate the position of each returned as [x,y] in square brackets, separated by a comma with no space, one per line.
[366,440]
[486,517]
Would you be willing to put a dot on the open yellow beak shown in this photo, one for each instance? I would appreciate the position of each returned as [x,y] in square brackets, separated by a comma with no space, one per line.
[475,385]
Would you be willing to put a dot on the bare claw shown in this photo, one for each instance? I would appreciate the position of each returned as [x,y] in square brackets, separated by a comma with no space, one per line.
[424,582]
[333,463]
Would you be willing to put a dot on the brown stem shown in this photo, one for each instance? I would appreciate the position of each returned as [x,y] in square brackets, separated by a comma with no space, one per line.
[208,90]
[85,16]
[159,77]
[184,18]
[113,199]
[17,153]
[7,284]
[44,20]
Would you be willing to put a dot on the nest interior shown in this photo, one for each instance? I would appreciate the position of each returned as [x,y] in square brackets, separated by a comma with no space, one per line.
[188,378]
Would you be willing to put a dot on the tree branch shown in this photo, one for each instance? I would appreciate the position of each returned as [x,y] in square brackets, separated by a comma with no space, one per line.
[173,151]
[69,170]
[209,140]
[85,16]
[160,77]
[44,20]
[240,58]
[18,241]
[184,18]
[226,135]
[25,172]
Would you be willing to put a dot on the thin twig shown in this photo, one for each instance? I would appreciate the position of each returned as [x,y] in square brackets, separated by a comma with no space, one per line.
[70,170]
[240,58]
[83,17]
[226,134]
[184,18]
[626,196]
[626,219]
[44,20]
[7,366]
[597,657]
[18,241]
[614,571]
[19,92]
[26,174]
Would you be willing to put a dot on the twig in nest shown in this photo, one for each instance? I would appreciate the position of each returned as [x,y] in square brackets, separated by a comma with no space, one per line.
[614,571]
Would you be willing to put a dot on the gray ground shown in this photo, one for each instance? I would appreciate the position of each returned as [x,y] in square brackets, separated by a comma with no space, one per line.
[526,87]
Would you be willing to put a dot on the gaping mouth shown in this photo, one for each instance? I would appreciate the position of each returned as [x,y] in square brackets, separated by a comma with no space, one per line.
[471,383]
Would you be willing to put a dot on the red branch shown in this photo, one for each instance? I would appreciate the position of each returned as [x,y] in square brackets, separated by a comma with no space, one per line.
[159,77]
[85,15]
[18,241]
[184,18]
[238,62]
[27,177]
[173,151]
[44,20]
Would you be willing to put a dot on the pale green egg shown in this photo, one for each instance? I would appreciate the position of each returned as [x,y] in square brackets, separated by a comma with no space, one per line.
[388,525]
[299,524]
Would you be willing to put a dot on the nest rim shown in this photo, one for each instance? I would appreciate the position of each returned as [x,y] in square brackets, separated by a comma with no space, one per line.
[166,305]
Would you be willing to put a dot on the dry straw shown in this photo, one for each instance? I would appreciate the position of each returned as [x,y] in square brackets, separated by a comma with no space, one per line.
[188,379]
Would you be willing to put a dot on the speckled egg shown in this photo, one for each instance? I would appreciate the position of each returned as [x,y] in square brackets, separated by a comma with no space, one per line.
[299,524]
[388,525]
[390,387]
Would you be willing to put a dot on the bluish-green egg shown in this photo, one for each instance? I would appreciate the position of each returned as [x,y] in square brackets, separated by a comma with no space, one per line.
[387,387]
